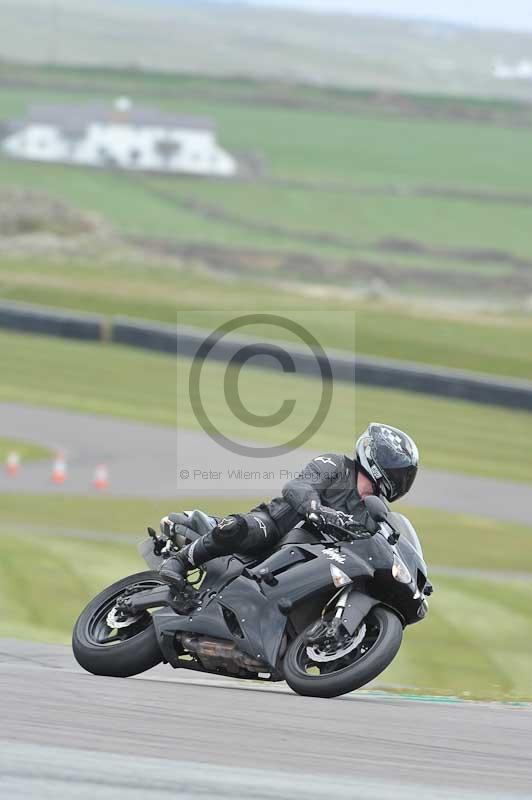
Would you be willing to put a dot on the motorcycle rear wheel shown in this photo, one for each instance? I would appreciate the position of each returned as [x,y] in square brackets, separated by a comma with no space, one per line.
[122,651]
[377,649]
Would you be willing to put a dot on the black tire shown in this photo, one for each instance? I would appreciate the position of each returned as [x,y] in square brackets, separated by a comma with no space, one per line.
[353,676]
[122,657]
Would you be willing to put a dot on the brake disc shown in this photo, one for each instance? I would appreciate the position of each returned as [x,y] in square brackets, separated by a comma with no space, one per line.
[112,622]
[318,655]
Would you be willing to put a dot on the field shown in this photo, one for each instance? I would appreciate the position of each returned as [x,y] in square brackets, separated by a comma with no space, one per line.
[453,652]
[487,342]
[336,50]
[84,377]
[422,206]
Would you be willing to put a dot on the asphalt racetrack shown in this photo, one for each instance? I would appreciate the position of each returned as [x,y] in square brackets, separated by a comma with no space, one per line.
[154,461]
[167,734]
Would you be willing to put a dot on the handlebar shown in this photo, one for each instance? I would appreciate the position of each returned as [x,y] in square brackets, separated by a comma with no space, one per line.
[338,531]
[349,533]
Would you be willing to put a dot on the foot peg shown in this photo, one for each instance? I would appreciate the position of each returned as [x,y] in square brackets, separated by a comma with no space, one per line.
[185,600]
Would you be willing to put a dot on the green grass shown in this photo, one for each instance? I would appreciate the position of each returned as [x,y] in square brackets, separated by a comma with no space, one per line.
[492,343]
[107,379]
[43,603]
[449,540]
[360,218]
[93,378]
[128,205]
[476,641]
[358,149]
[153,82]
[268,43]
[104,514]
[357,221]
[469,542]
[27,450]
[324,145]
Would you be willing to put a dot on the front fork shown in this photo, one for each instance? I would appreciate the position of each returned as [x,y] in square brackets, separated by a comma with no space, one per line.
[341,605]
[329,629]
[351,609]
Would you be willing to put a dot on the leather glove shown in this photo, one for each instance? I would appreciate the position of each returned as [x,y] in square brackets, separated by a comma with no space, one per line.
[167,526]
[173,524]
[328,516]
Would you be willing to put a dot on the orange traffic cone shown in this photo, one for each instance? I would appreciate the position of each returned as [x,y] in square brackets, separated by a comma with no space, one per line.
[101,477]
[12,463]
[59,469]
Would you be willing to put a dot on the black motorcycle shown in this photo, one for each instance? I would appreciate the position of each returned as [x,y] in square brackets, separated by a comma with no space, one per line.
[325,611]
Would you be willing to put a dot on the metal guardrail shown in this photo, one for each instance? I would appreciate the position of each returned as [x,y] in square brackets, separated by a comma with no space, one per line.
[148,336]
[33,319]
[368,371]
[383,373]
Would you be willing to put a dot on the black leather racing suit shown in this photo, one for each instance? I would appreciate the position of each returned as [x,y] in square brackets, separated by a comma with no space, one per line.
[329,480]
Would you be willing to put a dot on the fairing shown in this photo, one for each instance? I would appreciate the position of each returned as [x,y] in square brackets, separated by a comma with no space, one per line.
[262,597]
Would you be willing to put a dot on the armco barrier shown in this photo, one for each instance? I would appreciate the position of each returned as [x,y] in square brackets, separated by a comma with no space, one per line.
[442,382]
[161,338]
[388,374]
[70,325]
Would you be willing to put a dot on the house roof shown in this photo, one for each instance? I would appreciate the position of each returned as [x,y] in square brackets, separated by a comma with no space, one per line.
[75,119]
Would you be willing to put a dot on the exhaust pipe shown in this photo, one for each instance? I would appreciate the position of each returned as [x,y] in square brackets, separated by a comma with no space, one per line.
[219,652]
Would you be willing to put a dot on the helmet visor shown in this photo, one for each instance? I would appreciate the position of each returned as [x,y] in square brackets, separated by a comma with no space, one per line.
[397,465]
[399,481]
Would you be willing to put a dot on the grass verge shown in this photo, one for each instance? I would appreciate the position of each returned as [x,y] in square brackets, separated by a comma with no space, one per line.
[476,643]
[123,382]
[449,540]
[26,450]
[102,514]
[491,343]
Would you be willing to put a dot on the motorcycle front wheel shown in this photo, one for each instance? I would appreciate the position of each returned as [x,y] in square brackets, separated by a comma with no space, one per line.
[118,647]
[322,670]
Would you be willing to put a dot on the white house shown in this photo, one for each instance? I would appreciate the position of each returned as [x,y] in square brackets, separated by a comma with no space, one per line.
[519,71]
[120,135]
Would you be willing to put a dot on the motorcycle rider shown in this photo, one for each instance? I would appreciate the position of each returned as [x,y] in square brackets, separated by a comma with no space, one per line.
[331,487]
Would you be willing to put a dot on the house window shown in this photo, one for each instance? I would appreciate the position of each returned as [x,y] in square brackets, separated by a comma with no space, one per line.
[134,155]
[105,156]
[167,149]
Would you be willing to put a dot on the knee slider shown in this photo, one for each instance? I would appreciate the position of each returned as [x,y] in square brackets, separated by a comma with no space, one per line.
[230,531]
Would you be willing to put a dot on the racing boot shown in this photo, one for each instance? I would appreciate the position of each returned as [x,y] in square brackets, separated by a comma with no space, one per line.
[174,570]
[224,539]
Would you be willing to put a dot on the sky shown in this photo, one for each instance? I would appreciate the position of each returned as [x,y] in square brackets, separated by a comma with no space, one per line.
[513,14]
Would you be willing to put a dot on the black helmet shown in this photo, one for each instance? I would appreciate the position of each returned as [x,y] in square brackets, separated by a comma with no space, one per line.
[389,458]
